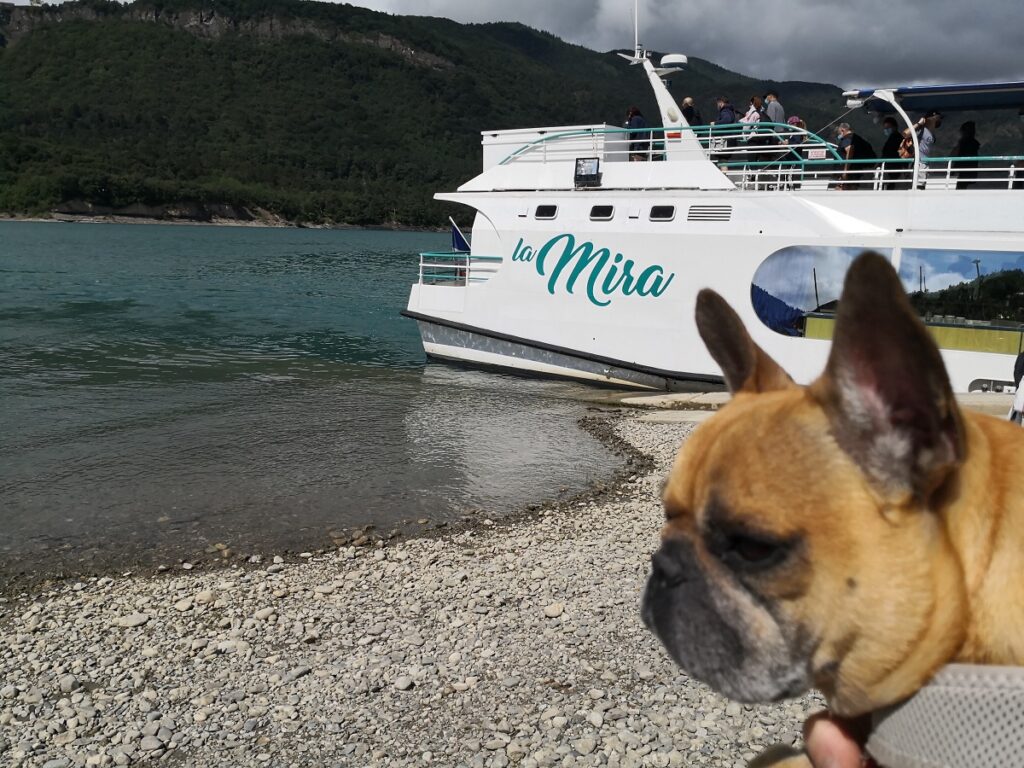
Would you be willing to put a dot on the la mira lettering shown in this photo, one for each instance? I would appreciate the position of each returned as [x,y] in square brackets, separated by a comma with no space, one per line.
[566,264]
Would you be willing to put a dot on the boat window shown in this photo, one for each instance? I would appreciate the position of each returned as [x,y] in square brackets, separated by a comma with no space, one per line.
[663,212]
[546,212]
[602,212]
[970,300]
[796,290]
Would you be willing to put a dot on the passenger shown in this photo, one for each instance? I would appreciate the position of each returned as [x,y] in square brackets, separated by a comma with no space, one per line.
[925,128]
[798,136]
[966,146]
[891,148]
[726,117]
[755,113]
[776,114]
[690,112]
[892,171]
[726,112]
[854,147]
[639,141]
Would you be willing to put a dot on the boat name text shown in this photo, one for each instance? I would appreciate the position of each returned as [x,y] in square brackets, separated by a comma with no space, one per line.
[605,274]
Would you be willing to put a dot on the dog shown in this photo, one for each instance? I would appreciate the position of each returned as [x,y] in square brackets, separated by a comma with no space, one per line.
[853,535]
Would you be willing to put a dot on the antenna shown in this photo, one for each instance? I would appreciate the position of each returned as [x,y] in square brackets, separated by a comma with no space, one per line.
[636,27]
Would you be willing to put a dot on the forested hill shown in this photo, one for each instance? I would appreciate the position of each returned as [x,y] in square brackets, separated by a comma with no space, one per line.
[315,112]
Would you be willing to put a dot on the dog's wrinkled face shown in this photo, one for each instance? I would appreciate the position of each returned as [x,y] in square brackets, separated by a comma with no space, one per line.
[798,551]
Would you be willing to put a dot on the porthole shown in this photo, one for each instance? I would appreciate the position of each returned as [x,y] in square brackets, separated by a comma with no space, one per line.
[602,212]
[663,212]
[546,212]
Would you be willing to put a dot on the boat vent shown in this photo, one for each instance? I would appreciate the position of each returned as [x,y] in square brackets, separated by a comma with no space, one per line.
[709,213]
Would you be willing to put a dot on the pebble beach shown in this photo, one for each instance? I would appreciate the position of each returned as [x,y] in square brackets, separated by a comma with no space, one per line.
[514,642]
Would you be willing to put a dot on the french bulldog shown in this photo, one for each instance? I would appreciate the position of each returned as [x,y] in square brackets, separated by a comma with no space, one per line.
[853,535]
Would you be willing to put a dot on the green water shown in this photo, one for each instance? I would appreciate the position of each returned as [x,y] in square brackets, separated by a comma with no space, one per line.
[166,388]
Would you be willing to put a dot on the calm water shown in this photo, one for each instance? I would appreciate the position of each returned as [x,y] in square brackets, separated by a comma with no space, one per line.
[165,388]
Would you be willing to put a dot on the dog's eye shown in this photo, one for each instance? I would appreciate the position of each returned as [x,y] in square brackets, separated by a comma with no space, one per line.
[750,552]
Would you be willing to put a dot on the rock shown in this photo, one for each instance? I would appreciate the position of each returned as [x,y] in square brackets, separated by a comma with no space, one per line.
[187,566]
[206,597]
[554,610]
[296,673]
[59,762]
[150,743]
[585,745]
[404,683]
[264,613]
[69,683]
[132,620]
[183,605]
[324,589]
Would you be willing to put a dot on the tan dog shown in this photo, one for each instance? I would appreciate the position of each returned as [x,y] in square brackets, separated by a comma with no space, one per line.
[851,536]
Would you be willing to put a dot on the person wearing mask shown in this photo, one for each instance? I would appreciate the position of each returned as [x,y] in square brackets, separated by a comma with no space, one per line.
[966,146]
[773,107]
[891,151]
[854,147]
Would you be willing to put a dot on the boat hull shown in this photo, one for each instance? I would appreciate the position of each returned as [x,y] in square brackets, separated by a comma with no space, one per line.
[480,348]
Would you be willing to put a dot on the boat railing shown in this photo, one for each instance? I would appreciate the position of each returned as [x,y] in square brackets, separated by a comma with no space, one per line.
[776,156]
[456,268]
[987,172]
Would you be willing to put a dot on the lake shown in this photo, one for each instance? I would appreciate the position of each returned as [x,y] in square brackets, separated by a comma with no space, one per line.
[168,389]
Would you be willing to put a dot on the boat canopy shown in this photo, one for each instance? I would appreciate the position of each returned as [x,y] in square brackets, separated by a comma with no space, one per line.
[943,98]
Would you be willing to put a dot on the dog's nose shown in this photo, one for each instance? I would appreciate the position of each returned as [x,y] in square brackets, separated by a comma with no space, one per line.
[667,566]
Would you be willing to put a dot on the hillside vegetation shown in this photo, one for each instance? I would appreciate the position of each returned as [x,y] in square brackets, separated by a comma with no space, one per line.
[315,112]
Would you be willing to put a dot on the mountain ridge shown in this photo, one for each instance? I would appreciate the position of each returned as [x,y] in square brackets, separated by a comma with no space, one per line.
[314,112]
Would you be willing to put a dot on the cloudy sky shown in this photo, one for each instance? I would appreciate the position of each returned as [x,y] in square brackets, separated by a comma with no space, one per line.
[846,42]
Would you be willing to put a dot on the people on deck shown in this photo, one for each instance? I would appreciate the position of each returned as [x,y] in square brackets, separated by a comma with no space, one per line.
[639,140]
[726,116]
[798,136]
[925,128]
[891,147]
[690,112]
[966,146]
[726,112]
[755,112]
[773,108]
[892,171]
[856,175]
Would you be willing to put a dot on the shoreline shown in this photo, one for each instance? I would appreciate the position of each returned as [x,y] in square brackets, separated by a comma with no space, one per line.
[521,638]
[272,222]
[218,558]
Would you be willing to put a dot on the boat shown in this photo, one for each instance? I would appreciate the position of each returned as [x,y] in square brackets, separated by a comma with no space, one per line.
[584,263]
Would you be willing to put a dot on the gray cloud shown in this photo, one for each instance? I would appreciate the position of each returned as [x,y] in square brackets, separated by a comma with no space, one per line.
[862,43]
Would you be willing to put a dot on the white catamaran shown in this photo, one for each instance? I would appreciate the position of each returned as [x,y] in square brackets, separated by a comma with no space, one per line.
[586,265]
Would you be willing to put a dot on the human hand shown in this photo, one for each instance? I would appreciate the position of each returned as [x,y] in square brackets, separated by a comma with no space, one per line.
[836,742]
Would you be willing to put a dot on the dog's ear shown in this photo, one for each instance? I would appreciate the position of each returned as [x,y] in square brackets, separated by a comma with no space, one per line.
[885,388]
[746,367]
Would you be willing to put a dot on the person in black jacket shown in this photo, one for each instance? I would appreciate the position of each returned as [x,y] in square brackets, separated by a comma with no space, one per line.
[854,147]
[690,112]
[966,146]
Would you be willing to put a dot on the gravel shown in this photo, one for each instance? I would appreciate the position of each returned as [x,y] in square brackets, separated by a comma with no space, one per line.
[517,643]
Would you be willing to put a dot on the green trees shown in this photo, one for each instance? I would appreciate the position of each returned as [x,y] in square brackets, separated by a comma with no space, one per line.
[317,112]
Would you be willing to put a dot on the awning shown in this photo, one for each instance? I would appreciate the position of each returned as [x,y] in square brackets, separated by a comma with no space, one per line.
[946,98]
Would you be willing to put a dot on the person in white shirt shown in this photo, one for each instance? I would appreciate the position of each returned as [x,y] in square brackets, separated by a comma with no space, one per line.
[926,128]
